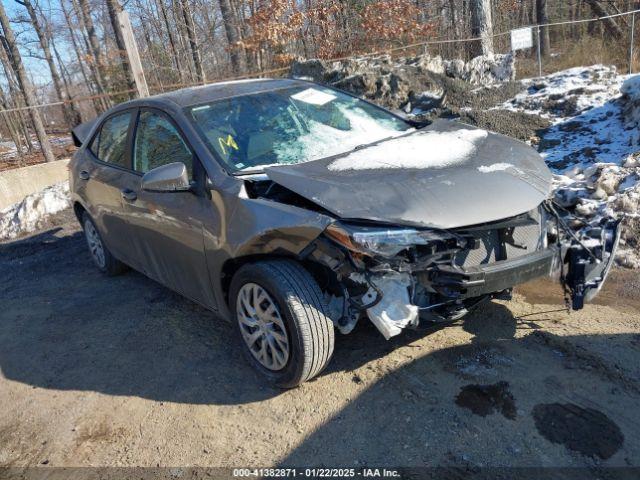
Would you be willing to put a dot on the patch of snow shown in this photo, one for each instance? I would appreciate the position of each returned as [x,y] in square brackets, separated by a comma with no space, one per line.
[593,145]
[423,149]
[631,87]
[496,167]
[29,214]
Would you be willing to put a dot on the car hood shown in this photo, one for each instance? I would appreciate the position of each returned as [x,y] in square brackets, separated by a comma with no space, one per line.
[446,175]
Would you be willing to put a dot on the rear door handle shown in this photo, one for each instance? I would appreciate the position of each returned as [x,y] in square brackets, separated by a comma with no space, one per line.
[84,175]
[129,195]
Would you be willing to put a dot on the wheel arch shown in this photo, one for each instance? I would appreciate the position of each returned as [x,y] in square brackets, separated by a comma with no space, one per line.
[78,210]
[232,265]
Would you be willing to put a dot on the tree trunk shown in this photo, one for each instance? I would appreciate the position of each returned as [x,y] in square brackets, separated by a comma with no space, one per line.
[610,23]
[453,17]
[233,38]
[542,17]
[98,103]
[481,26]
[193,43]
[12,123]
[15,96]
[87,21]
[172,41]
[25,85]
[182,38]
[114,8]
[70,115]
[64,74]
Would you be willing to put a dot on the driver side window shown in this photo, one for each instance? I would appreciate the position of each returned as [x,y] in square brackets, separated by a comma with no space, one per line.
[159,143]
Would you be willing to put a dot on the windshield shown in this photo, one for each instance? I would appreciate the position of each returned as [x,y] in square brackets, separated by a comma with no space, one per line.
[291,125]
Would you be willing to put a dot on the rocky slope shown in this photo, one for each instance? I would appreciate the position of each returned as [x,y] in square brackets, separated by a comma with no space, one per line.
[584,121]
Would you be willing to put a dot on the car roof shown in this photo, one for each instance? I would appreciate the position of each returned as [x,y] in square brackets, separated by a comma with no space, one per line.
[186,97]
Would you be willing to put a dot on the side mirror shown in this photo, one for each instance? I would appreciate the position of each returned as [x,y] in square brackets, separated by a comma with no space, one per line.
[172,177]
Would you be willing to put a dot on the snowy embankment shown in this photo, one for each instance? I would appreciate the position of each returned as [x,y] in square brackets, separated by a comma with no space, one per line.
[32,213]
[593,145]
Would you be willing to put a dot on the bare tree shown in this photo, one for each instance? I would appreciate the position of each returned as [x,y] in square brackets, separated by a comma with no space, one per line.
[193,42]
[70,114]
[93,86]
[84,15]
[482,26]
[9,41]
[15,98]
[172,41]
[542,17]
[610,24]
[230,27]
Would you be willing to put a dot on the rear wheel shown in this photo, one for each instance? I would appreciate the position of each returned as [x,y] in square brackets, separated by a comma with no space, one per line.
[282,321]
[100,254]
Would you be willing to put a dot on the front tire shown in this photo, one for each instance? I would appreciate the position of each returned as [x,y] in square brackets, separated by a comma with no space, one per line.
[281,318]
[100,254]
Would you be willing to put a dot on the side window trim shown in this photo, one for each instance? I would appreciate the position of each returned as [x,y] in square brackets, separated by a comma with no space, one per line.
[134,111]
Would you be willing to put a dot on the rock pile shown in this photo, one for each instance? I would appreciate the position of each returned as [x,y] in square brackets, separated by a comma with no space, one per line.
[405,83]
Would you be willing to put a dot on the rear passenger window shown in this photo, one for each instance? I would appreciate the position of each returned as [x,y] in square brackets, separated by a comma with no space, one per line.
[159,143]
[112,141]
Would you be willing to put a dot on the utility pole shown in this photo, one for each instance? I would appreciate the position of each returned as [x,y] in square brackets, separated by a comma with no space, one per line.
[115,9]
[131,48]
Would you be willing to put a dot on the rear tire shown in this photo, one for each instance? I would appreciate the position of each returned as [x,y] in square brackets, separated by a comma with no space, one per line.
[281,318]
[100,254]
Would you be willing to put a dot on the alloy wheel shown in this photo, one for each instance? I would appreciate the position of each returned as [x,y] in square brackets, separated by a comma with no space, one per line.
[262,327]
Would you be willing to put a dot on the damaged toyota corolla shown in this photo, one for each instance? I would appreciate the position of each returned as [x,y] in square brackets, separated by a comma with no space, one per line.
[296,209]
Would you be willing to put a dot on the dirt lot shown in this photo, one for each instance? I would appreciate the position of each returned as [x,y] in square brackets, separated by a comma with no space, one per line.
[100,371]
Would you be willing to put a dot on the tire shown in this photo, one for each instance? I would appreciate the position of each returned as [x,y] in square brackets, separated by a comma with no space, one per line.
[100,254]
[300,310]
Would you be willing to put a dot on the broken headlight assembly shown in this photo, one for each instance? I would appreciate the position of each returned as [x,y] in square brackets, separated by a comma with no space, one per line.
[387,242]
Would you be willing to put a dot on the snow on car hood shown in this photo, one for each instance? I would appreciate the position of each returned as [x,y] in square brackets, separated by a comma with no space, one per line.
[446,175]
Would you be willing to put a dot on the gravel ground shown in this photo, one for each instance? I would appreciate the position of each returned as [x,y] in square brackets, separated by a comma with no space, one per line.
[98,371]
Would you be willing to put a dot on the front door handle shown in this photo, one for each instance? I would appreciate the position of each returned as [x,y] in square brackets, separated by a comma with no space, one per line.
[84,175]
[129,195]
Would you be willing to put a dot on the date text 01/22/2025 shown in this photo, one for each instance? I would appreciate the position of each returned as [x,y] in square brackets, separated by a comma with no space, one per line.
[315,472]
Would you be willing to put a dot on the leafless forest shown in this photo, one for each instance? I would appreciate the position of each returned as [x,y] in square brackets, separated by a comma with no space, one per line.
[72,51]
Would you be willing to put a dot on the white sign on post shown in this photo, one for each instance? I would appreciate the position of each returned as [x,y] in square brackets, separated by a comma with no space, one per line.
[521,39]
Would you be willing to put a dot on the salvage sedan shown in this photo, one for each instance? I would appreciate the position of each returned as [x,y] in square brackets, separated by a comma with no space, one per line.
[297,210]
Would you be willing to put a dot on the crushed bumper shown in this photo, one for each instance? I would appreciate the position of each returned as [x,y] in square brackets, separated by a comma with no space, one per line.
[481,280]
[445,279]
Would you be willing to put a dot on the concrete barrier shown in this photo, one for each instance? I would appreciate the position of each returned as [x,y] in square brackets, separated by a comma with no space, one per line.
[18,183]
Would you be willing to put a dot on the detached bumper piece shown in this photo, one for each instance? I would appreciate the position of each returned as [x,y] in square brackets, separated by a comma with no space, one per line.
[471,282]
[589,262]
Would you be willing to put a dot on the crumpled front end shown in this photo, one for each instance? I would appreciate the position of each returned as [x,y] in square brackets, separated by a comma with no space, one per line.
[396,275]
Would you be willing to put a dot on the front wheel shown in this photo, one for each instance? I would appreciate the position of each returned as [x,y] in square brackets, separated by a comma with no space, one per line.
[282,321]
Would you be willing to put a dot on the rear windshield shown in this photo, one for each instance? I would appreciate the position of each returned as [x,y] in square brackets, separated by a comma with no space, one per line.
[289,126]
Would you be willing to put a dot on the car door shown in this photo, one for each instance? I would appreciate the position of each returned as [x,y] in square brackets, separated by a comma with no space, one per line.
[167,227]
[103,177]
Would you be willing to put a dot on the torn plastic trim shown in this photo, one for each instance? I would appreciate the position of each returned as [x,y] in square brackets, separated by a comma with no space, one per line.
[394,311]
[387,296]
